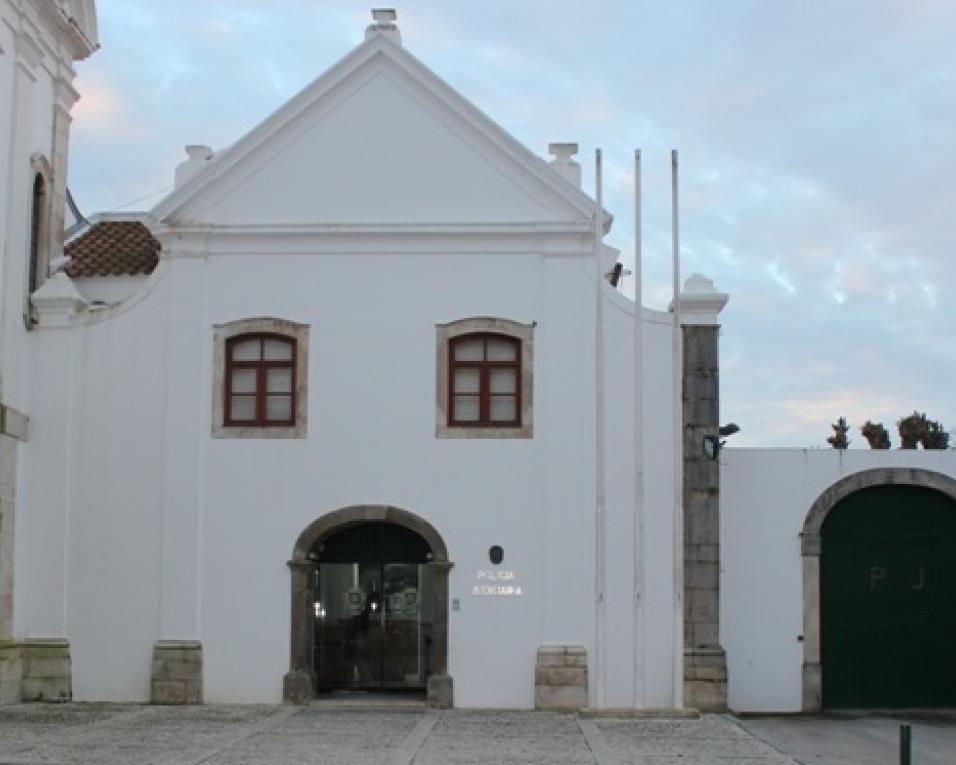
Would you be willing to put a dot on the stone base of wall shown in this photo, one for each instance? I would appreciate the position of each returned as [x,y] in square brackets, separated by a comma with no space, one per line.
[440,693]
[298,687]
[177,672]
[47,671]
[561,677]
[812,688]
[11,673]
[705,679]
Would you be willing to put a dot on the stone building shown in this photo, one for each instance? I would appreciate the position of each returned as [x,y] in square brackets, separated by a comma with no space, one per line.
[340,413]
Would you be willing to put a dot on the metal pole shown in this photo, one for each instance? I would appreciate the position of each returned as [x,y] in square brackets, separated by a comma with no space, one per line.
[678,456]
[906,745]
[638,554]
[599,478]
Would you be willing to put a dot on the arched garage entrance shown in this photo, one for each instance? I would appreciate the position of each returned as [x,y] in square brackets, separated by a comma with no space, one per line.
[359,577]
[880,592]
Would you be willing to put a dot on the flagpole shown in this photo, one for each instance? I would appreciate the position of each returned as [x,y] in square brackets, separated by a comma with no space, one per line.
[638,552]
[678,430]
[600,518]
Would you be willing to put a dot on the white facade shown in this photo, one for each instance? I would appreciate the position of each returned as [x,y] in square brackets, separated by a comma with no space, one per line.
[162,531]
[368,213]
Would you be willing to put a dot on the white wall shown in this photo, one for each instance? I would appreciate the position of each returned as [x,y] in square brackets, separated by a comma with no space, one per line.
[173,534]
[35,78]
[651,641]
[108,289]
[765,497]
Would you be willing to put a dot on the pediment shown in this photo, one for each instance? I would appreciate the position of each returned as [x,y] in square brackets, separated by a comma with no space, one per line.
[377,140]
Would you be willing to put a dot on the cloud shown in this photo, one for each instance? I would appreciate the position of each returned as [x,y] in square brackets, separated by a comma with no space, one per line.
[105,113]
[817,147]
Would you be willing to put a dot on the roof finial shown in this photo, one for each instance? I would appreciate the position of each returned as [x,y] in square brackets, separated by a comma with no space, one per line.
[383,22]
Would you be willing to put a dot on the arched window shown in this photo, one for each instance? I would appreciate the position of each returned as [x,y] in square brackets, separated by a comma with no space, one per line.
[260,380]
[36,232]
[484,378]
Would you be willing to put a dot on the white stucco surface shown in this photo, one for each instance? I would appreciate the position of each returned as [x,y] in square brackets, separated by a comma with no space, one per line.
[173,534]
[108,289]
[765,497]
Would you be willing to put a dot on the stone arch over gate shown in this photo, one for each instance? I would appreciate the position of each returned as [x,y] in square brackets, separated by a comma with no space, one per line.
[811,548]
[299,683]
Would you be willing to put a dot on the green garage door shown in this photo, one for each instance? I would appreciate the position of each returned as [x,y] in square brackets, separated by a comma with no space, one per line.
[888,599]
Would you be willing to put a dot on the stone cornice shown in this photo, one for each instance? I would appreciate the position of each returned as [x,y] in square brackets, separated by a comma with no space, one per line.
[700,302]
[417,238]
[57,302]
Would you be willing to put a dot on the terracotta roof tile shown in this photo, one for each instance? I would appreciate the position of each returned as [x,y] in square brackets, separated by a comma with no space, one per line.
[113,248]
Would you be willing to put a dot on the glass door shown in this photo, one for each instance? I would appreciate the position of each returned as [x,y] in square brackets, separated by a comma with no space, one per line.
[372,625]
[406,632]
[348,625]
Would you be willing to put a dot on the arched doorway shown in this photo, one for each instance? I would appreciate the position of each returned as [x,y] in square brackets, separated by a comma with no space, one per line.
[369,605]
[879,551]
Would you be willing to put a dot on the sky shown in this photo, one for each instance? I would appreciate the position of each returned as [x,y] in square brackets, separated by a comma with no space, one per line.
[817,145]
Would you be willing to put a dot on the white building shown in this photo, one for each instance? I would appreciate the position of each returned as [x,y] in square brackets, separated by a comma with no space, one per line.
[39,41]
[359,428]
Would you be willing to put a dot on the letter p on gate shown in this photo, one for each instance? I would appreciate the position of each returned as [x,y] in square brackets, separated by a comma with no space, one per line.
[877,577]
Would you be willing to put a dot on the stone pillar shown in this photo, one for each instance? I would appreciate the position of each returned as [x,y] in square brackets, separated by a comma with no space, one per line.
[66,97]
[11,672]
[440,693]
[298,685]
[46,670]
[13,429]
[176,676]
[705,662]
[561,677]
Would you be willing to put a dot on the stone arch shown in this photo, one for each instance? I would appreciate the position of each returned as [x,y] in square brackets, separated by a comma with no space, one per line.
[811,547]
[299,683]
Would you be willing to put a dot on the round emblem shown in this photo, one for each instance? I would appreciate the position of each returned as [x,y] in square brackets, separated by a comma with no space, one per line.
[354,601]
[404,603]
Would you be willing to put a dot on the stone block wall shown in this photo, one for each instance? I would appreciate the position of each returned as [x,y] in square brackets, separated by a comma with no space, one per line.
[177,672]
[561,677]
[705,663]
[47,670]
[11,673]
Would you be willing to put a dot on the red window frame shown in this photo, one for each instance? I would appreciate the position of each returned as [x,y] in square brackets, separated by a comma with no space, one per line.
[261,367]
[484,368]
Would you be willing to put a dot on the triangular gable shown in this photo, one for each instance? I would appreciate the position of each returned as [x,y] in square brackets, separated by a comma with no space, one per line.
[377,139]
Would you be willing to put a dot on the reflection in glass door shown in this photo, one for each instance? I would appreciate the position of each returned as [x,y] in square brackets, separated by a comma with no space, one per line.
[372,625]
[348,625]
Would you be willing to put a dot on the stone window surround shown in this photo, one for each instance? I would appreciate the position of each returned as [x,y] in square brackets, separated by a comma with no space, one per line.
[39,166]
[444,333]
[812,548]
[267,325]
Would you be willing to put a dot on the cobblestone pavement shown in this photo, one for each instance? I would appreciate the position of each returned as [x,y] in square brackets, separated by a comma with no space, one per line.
[108,734]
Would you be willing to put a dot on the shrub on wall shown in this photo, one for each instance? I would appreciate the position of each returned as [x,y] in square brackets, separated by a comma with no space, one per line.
[876,435]
[918,429]
[839,440]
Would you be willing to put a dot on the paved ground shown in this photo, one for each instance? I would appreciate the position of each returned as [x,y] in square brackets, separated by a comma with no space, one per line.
[858,738]
[245,735]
